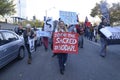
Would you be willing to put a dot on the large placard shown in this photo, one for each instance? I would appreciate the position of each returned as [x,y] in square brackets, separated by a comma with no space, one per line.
[68,17]
[65,42]
[111,32]
[48,26]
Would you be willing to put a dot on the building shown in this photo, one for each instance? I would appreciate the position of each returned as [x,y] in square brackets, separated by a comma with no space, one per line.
[20,8]
[20,11]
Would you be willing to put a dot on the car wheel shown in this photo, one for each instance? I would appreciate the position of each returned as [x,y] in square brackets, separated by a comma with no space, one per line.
[21,54]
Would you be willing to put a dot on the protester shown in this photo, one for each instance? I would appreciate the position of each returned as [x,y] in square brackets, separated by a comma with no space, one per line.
[28,33]
[35,37]
[95,33]
[81,38]
[80,31]
[62,57]
[45,41]
[102,37]
[91,33]
[19,30]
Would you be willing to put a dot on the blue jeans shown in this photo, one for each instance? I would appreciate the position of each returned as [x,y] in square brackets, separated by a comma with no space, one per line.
[103,47]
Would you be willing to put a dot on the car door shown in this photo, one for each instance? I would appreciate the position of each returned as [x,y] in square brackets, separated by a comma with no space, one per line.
[10,47]
[2,49]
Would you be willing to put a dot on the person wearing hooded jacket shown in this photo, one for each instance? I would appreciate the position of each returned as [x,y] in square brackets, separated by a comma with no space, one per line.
[103,41]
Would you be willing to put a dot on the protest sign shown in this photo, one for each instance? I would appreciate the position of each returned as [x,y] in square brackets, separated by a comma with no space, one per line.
[105,11]
[31,44]
[65,42]
[111,32]
[112,35]
[68,17]
[44,34]
[48,26]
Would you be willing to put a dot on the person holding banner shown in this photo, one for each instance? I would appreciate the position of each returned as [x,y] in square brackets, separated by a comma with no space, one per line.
[62,57]
[28,34]
[102,37]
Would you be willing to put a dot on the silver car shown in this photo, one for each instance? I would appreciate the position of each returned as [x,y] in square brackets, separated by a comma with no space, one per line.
[11,47]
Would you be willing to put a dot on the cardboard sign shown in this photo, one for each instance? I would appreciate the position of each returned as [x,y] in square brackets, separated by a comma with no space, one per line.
[48,25]
[65,42]
[68,17]
[104,10]
[111,32]
[31,44]
[44,34]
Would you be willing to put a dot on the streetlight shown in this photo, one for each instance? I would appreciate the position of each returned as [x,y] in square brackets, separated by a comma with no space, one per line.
[46,11]
[19,8]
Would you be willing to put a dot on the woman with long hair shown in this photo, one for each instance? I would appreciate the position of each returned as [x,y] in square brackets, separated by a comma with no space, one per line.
[62,57]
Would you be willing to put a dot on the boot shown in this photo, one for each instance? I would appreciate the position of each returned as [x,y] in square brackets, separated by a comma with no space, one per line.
[29,61]
[61,72]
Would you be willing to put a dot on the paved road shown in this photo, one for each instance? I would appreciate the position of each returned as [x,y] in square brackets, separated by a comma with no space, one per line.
[87,65]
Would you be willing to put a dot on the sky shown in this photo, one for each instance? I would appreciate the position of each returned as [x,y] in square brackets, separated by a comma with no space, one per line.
[39,8]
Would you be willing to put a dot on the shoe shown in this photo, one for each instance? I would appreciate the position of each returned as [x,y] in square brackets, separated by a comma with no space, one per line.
[81,47]
[64,68]
[103,56]
[61,72]
[29,61]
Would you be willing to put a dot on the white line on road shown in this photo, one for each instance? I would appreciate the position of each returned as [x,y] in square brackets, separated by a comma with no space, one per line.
[97,44]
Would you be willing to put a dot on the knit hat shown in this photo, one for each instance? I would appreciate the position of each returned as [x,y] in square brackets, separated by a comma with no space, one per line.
[28,26]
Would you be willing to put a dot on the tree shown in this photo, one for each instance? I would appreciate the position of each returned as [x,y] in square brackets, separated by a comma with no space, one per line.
[114,12]
[35,23]
[7,7]
[96,11]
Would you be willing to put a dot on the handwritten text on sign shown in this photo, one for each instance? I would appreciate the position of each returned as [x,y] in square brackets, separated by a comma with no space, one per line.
[65,42]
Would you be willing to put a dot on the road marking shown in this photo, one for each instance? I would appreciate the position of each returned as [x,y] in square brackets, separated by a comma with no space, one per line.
[97,44]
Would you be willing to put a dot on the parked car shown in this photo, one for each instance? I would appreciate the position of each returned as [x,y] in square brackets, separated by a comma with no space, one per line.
[11,47]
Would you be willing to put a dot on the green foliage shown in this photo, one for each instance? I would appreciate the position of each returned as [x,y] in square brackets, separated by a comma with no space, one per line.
[96,10]
[7,7]
[36,23]
[114,11]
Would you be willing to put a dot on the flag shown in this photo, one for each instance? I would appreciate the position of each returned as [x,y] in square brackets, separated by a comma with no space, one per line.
[87,23]
[105,11]
[86,19]
[77,18]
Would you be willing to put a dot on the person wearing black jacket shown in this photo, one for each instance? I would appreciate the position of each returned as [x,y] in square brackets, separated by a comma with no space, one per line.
[19,30]
[28,33]
[102,37]
[80,31]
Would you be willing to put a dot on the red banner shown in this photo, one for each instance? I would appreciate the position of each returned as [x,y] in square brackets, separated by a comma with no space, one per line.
[65,42]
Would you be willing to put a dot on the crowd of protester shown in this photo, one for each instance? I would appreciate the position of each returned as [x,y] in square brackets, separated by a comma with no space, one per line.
[84,32]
